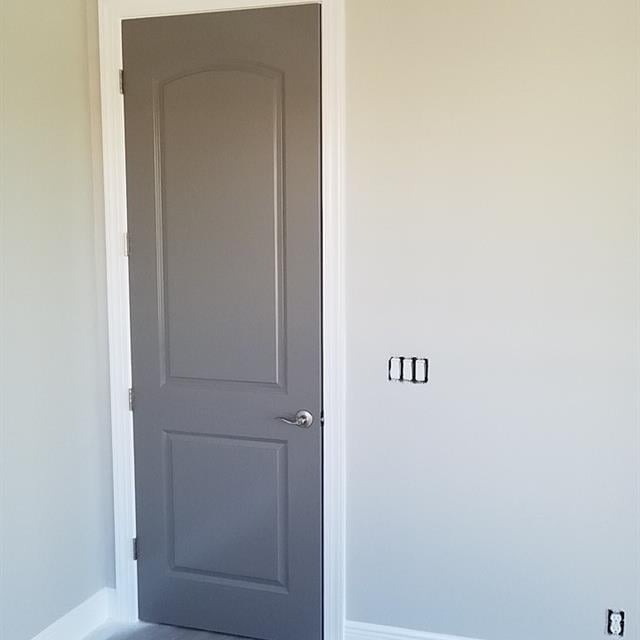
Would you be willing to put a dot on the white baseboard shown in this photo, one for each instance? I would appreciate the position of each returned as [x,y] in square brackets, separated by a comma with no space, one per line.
[365,631]
[81,621]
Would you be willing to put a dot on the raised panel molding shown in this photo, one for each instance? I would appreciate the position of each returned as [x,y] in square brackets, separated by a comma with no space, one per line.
[366,631]
[176,365]
[208,458]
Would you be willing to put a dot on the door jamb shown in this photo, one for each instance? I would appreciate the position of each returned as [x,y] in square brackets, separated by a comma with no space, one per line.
[111,14]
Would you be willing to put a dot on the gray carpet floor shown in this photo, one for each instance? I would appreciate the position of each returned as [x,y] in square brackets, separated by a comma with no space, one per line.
[152,632]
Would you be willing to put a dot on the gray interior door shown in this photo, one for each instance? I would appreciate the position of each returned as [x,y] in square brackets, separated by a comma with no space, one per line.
[222,115]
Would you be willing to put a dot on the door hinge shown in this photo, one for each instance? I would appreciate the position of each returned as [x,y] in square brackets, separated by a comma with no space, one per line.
[134,548]
[127,244]
[121,81]
[131,399]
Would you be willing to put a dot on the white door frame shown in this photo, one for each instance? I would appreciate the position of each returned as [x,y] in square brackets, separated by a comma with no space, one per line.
[111,13]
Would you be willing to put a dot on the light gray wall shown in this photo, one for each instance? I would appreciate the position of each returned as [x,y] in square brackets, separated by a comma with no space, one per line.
[493,224]
[55,504]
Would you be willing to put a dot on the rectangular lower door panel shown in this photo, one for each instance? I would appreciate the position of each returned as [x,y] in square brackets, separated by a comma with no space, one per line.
[224,526]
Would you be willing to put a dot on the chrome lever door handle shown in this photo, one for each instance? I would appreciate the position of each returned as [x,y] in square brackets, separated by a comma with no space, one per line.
[302,419]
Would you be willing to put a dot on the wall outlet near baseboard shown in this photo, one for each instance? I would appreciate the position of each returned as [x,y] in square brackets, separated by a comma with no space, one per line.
[615,623]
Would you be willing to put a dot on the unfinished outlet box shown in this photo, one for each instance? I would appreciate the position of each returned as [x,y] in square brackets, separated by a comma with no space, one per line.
[408,369]
[615,623]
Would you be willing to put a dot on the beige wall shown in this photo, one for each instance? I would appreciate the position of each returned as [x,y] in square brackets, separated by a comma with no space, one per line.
[55,504]
[493,219]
